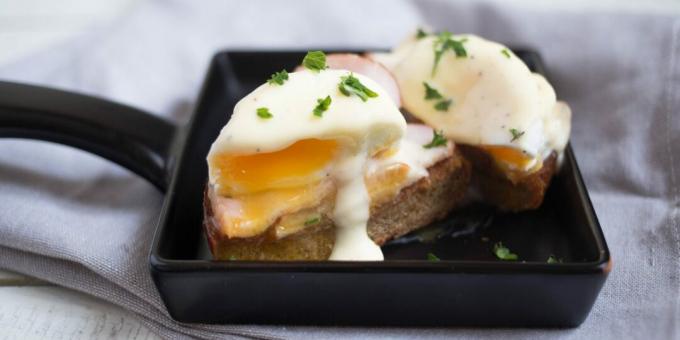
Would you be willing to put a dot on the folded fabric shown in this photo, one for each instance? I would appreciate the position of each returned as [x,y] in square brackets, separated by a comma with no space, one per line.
[81,222]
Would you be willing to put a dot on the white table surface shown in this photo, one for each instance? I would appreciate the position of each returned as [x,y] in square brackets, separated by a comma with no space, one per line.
[33,309]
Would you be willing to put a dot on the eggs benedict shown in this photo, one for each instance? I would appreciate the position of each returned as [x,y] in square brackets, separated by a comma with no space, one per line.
[320,164]
[484,98]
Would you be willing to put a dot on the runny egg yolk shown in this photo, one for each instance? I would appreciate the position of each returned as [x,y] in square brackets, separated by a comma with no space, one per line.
[299,164]
[511,159]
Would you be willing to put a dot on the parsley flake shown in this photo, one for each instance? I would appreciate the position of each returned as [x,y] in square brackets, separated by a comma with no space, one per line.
[312,221]
[315,61]
[446,42]
[351,85]
[264,113]
[516,134]
[431,93]
[420,33]
[506,53]
[503,253]
[278,77]
[437,140]
[443,105]
[553,259]
[322,106]
[432,257]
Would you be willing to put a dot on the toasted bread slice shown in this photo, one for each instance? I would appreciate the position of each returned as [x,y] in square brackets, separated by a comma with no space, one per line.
[426,200]
[509,193]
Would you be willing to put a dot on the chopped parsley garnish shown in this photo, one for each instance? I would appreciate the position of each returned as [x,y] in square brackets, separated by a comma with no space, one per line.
[506,53]
[351,85]
[443,105]
[315,61]
[431,93]
[516,134]
[446,42]
[437,140]
[553,259]
[312,221]
[420,33]
[432,257]
[264,113]
[503,253]
[322,105]
[278,77]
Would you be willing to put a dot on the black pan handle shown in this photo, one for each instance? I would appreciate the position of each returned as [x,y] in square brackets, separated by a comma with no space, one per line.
[130,137]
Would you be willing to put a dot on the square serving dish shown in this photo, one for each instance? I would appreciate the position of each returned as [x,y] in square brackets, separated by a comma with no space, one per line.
[469,286]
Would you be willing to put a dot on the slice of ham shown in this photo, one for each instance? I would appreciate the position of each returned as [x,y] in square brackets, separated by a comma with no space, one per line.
[366,67]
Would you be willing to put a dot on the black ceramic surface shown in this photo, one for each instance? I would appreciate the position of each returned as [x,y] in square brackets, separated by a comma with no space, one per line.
[469,286]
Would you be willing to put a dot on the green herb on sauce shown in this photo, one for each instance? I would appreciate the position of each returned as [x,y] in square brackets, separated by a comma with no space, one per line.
[322,106]
[278,78]
[420,33]
[315,61]
[264,113]
[351,85]
[444,43]
[506,53]
[431,93]
[437,140]
[443,105]
[516,134]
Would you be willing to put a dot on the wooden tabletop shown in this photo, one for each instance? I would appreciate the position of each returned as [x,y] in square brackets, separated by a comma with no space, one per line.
[34,309]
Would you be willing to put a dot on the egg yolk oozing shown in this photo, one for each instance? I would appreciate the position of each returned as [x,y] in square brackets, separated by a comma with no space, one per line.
[299,164]
[512,160]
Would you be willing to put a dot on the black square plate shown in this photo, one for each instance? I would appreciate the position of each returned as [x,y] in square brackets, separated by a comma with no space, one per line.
[469,286]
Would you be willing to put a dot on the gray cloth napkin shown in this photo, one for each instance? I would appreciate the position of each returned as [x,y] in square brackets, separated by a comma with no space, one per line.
[81,222]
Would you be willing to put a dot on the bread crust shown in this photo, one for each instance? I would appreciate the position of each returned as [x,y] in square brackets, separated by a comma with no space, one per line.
[517,194]
[423,202]
[508,193]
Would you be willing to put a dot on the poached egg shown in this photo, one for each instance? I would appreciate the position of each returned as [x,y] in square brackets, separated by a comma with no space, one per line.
[482,95]
[356,152]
